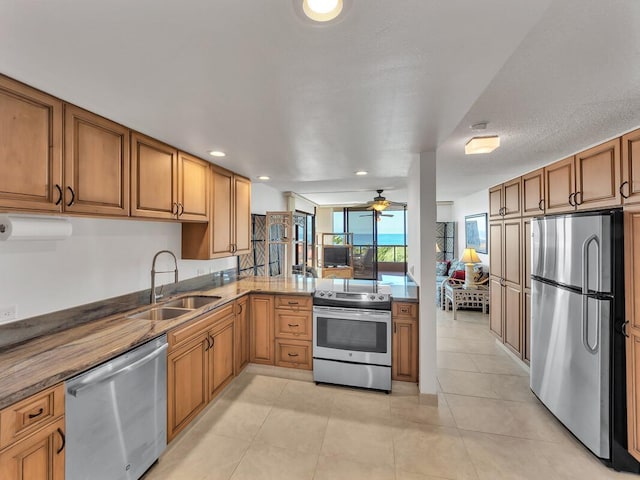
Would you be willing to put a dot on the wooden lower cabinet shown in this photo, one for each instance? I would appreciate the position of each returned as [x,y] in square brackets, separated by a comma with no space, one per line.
[262,329]
[221,355]
[632,311]
[495,305]
[241,333]
[187,369]
[512,315]
[404,349]
[293,354]
[37,457]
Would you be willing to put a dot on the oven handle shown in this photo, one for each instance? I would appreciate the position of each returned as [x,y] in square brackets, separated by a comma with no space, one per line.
[343,312]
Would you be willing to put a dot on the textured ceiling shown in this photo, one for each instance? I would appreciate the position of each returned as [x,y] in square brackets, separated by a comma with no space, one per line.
[309,105]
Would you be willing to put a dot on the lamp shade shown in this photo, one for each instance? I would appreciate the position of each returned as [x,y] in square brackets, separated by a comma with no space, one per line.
[470,256]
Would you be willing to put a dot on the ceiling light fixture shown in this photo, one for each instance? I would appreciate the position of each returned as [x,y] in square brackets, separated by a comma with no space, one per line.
[482,145]
[264,177]
[361,172]
[322,10]
[217,153]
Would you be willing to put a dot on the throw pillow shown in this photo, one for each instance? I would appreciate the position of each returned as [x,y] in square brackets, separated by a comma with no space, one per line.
[478,273]
[456,266]
[442,268]
[458,275]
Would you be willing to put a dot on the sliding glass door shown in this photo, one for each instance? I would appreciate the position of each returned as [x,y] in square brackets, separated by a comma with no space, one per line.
[362,224]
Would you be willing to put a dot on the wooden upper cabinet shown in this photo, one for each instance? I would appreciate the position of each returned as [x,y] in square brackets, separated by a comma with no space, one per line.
[504,200]
[193,186]
[598,176]
[153,178]
[495,202]
[559,186]
[242,197]
[533,201]
[96,164]
[30,149]
[630,186]
[495,248]
[222,212]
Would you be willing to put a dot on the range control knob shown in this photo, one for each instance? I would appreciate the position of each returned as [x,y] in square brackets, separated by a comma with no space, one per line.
[322,294]
[381,297]
[330,294]
[372,297]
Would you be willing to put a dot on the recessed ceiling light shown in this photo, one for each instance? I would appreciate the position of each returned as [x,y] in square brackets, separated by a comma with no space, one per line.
[264,177]
[217,153]
[482,145]
[361,172]
[322,10]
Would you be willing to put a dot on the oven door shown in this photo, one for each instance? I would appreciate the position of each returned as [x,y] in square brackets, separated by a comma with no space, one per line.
[352,335]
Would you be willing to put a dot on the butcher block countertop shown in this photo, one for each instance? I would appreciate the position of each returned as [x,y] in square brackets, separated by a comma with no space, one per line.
[27,368]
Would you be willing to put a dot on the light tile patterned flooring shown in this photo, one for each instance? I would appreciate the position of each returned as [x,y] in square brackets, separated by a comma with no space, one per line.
[487,425]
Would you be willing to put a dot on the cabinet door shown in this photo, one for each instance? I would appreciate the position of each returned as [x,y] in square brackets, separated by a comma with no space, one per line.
[30,149]
[153,178]
[242,192]
[512,242]
[495,248]
[96,164]
[37,457]
[221,356]
[630,187]
[511,194]
[495,305]
[559,185]
[404,350]
[495,202]
[242,334]
[512,314]
[193,183]
[222,213]
[533,193]
[632,311]
[187,369]
[526,314]
[598,176]
[262,329]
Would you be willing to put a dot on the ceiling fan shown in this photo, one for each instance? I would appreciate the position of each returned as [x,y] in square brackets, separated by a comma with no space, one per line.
[380,203]
[378,214]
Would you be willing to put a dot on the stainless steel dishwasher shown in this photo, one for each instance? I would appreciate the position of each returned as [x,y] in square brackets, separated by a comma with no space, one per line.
[116,415]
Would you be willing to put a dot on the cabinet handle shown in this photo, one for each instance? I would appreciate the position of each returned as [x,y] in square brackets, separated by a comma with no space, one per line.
[404,310]
[34,415]
[624,328]
[293,354]
[73,197]
[239,308]
[208,344]
[293,324]
[59,194]
[213,341]
[502,282]
[181,209]
[570,197]
[395,327]
[575,198]
[64,440]
[541,205]
[626,182]
[293,303]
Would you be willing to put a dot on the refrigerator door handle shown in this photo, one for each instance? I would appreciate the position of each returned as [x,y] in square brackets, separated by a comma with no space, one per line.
[585,263]
[585,327]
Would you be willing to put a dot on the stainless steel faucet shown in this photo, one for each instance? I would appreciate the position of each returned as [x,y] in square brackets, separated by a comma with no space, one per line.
[155,297]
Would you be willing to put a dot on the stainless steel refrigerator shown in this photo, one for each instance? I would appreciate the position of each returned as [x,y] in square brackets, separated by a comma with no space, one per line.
[577,341]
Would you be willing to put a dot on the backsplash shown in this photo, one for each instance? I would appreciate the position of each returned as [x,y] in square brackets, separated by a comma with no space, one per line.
[22,330]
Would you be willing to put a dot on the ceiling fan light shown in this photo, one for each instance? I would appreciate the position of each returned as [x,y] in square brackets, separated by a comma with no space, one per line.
[482,145]
[322,10]
[380,205]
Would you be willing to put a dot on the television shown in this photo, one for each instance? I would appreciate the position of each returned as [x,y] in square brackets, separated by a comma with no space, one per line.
[336,256]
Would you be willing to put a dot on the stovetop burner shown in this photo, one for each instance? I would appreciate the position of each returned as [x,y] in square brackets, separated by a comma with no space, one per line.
[353,293]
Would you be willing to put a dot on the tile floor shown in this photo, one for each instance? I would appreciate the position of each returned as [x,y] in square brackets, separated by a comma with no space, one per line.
[487,425]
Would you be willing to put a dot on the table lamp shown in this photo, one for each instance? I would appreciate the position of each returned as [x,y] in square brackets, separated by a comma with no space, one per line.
[469,258]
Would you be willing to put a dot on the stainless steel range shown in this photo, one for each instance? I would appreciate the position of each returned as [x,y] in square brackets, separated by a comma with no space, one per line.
[352,334]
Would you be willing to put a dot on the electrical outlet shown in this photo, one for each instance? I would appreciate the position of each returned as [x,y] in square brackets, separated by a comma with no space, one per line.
[7,313]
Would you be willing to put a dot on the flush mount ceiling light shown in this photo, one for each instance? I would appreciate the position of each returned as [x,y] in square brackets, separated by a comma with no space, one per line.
[482,145]
[217,153]
[361,172]
[264,177]
[322,10]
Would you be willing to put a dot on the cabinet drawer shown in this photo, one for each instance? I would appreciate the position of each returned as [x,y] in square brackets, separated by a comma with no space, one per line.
[293,354]
[293,324]
[297,302]
[27,416]
[404,310]
[180,335]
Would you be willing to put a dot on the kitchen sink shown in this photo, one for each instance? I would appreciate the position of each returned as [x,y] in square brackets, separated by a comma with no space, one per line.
[192,302]
[160,313]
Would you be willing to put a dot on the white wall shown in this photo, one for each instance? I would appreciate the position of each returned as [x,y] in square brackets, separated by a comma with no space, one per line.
[266,199]
[103,258]
[475,203]
[444,212]
[297,202]
[421,219]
